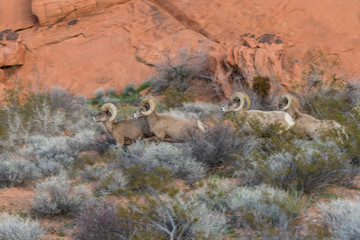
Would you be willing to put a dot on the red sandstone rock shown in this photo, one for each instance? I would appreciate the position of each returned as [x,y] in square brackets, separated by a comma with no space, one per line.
[53,11]
[2,76]
[11,51]
[110,43]
[16,14]
[12,54]
[262,57]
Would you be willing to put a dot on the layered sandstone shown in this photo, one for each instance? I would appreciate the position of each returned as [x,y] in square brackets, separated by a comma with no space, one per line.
[83,45]
[53,11]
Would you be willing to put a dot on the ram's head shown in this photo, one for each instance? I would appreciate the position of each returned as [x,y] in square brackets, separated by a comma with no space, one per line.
[236,102]
[107,112]
[147,106]
[286,100]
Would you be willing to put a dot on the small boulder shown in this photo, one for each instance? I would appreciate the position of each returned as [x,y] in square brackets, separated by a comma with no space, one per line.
[12,52]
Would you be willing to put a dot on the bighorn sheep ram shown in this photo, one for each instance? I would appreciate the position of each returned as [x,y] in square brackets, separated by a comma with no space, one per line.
[124,131]
[166,127]
[265,118]
[308,124]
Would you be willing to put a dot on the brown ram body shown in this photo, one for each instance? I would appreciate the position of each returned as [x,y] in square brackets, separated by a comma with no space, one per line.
[244,116]
[309,125]
[166,127]
[124,131]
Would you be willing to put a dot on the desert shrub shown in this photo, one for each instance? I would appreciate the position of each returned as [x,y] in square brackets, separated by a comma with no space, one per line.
[261,87]
[53,153]
[172,158]
[95,172]
[50,167]
[140,175]
[351,143]
[327,104]
[62,99]
[174,77]
[176,159]
[111,91]
[216,146]
[259,91]
[17,172]
[113,181]
[130,89]
[341,105]
[175,218]
[56,196]
[352,92]
[126,156]
[263,209]
[188,220]
[130,96]
[99,220]
[16,228]
[102,143]
[342,218]
[108,99]
[196,110]
[26,113]
[155,181]
[297,164]
[154,218]
[214,191]
[99,93]
[107,180]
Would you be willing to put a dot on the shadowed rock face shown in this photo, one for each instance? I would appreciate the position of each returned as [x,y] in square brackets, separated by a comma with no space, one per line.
[82,45]
[250,57]
[12,52]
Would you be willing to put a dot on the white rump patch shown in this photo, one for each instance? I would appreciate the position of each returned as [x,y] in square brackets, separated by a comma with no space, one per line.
[201,126]
[289,120]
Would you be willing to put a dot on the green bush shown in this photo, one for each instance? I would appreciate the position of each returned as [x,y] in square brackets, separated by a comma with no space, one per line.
[130,89]
[155,181]
[175,218]
[261,86]
[56,196]
[113,181]
[339,103]
[17,228]
[215,147]
[175,77]
[26,113]
[297,164]
[196,110]
[99,220]
[264,210]
[170,159]
[342,218]
[214,191]
[17,172]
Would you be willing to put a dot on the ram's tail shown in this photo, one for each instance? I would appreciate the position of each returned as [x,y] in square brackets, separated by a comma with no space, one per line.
[203,127]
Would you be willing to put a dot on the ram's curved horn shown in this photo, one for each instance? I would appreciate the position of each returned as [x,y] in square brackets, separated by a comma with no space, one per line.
[152,103]
[234,97]
[295,101]
[289,98]
[247,99]
[112,108]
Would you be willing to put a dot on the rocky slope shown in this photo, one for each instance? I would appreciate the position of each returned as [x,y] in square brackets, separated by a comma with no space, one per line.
[83,45]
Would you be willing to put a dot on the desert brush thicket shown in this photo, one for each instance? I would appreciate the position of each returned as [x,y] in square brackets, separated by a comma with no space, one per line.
[225,183]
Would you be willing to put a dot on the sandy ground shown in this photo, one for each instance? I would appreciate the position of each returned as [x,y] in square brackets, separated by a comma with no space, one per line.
[20,201]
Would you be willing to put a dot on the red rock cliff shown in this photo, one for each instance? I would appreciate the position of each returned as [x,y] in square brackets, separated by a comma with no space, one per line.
[82,45]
